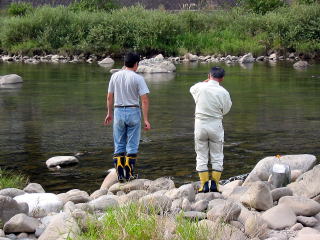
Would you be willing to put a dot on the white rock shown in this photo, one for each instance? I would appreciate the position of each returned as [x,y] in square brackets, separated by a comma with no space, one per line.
[106,61]
[159,57]
[110,179]
[248,58]
[61,161]
[279,217]
[307,221]
[34,188]
[302,206]
[74,195]
[255,226]
[103,203]
[281,192]
[273,57]
[61,227]
[257,196]
[159,203]
[228,210]
[162,183]
[263,169]
[186,205]
[301,65]
[10,79]
[40,204]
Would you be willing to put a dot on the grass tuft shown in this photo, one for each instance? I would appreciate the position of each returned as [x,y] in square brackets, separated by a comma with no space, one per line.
[8,179]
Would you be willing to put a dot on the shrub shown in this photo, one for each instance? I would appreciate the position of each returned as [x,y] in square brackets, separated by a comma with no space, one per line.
[19,8]
[94,5]
[9,179]
[262,6]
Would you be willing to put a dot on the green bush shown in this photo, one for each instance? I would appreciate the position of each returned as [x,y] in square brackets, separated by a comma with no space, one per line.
[19,8]
[94,5]
[262,6]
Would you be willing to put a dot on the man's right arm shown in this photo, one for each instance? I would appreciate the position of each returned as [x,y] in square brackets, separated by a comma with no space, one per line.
[145,111]
[109,108]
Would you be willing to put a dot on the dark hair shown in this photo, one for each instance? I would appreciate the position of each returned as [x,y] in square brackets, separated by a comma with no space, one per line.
[130,59]
[217,72]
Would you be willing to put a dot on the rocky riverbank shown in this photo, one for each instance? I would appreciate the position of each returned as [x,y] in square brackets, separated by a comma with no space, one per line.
[158,63]
[249,209]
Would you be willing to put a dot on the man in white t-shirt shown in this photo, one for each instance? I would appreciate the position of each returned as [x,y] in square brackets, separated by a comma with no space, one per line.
[125,89]
[212,103]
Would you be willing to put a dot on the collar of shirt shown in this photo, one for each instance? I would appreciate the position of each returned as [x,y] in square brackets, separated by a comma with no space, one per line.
[214,82]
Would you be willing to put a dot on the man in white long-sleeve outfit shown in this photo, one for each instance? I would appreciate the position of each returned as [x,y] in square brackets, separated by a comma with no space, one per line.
[212,103]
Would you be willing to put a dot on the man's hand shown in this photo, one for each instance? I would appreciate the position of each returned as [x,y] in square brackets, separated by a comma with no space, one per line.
[147,125]
[107,120]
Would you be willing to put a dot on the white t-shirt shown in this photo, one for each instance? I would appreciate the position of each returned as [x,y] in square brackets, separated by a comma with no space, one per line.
[127,86]
[212,100]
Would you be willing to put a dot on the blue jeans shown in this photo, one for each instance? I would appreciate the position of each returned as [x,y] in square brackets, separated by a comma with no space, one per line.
[126,130]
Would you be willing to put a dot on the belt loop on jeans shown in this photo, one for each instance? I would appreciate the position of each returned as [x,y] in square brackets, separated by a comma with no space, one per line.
[127,106]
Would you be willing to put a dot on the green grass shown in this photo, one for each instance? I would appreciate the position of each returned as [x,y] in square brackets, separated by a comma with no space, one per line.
[134,222]
[237,31]
[9,179]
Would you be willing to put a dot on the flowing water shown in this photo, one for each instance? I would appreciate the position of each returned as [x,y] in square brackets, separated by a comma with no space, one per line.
[59,110]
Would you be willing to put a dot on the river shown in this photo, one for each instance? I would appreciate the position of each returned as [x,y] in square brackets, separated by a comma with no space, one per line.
[59,110]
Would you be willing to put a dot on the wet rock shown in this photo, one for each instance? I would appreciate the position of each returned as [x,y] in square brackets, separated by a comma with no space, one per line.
[186,205]
[10,79]
[194,215]
[162,183]
[248,58]
[281,192]
[300,205]
[34,188]
[159,203]
[10,207]
[200,206]
[301,65]
[21,223]
[279,217]
[273,57]
[62,226]
[11,192]
[40,204]
[110,179]
[263,169]
[74,195]
[307,221]
[257,196]
[307,185]
[260,58]
[103,203]
[156,65]
[99,193]
[61,161]
[227,210]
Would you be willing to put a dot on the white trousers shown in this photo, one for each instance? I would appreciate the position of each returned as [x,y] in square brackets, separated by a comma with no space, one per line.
[208,139]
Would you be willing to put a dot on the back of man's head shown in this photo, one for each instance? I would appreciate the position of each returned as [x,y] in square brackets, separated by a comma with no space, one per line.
[217,72]
[131,59]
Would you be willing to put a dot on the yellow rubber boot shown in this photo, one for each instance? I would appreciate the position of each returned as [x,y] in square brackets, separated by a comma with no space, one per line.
[204,179]
[118,161]
[214,186]
[129,165]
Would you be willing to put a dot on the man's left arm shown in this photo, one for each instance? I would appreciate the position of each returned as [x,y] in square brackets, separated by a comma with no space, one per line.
[109,108]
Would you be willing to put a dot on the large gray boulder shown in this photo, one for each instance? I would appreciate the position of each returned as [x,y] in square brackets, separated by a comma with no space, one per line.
[10,207]
[61,227]
[307,185]
[301,65]
[279,217]
[263,169]
[61,161]
[10,79]
[106,61]
[302,206]
[11,192]
[21,223]
[40,204]
[257,196]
